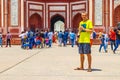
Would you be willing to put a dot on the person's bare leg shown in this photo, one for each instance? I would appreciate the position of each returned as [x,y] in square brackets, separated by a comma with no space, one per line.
[81,61]
[81,67]
[89,62]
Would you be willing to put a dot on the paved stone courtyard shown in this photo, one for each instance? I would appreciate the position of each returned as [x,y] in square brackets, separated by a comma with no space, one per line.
[56,63]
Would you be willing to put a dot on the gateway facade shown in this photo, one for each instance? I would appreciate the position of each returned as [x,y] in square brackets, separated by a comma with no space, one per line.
[19,15]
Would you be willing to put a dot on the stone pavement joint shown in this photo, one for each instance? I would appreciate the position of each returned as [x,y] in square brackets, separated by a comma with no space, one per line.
[19,63]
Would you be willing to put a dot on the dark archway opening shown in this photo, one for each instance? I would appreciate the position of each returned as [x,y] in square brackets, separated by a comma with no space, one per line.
[35,22]
[54,19]
[75,22]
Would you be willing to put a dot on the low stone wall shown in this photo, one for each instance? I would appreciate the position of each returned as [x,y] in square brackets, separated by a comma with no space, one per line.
[14,41]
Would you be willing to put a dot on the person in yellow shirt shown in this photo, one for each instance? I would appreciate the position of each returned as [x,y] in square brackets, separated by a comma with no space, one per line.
[85,30]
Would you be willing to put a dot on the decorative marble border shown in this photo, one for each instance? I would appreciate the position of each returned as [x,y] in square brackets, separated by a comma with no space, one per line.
[116,3]
[77,7]
[98,12]
[55,8]
[58,4]
[14,12]
[33,12]
[60,13]
[36,7]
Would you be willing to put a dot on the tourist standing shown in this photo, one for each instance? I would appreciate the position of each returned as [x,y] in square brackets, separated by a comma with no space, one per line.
[85,28]
[8,39]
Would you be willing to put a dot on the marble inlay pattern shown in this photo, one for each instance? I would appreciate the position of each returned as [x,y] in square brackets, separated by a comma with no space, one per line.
[77,7]
[57,7]
[36,7]
[14,12]
[98,12]
[116,3]
[54,13]
[33,12]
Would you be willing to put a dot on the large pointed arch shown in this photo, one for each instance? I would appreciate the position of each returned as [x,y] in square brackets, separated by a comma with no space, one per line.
[35,21]
[116,15]
[54,19]
[76,20]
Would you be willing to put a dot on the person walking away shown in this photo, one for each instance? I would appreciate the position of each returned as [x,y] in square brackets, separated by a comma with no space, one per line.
[85,28]
[112,36]
[117,39]
[72,38]
[65,37]
[60,38]
[106,41]
[43,38]
[103,41]
[50,36]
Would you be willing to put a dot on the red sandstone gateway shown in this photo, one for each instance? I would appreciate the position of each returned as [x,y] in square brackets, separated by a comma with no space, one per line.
[20,15]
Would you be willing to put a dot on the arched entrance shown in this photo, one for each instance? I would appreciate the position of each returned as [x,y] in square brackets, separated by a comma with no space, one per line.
[57,23]
[117,15]
[35,21]
[76,20]
[59,26]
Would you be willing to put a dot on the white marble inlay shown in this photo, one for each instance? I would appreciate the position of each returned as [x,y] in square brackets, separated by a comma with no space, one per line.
[14,12]
[80,6]
[116,3]
[59,26]
[33,12]
[57,8]
[98,12]
[60,13]
[36,7]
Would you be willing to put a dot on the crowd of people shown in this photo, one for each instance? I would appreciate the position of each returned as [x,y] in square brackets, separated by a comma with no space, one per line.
[113,37]
[41,38]
[32,39]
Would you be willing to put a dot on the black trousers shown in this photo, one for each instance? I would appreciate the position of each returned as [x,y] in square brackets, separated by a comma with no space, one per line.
[8,43]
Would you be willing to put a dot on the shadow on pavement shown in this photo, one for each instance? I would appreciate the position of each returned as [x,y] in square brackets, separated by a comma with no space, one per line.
[96,69]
